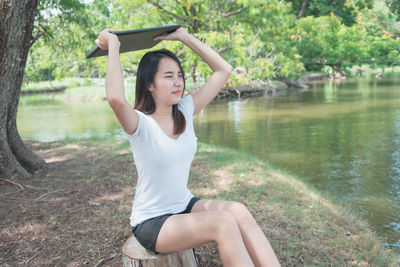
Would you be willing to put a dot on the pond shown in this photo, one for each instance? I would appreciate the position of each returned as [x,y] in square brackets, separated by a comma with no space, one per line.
[342,137]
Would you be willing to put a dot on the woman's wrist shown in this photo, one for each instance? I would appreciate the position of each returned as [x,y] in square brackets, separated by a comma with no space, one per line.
[113,40]
[113,47]
[187,38]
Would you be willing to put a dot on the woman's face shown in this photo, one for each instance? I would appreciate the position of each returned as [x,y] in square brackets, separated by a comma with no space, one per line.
[168,83]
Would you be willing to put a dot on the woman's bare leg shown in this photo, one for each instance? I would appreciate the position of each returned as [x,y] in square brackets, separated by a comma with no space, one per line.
[184,231]
[254,239]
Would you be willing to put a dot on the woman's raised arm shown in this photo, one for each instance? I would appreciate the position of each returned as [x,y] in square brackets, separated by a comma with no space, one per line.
[220,67]
[115,91]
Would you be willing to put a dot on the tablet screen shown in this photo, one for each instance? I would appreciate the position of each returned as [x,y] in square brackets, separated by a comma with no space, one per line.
[135,39]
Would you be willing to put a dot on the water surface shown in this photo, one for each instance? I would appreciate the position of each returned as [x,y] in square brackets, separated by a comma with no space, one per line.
[343,138]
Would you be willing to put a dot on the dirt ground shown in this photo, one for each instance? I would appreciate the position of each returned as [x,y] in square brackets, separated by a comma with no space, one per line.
[77,213]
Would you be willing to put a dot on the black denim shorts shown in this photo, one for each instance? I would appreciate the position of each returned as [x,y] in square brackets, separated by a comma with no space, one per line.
[147,232]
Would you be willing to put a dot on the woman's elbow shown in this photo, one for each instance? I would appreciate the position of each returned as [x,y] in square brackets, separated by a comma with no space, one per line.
[228,69]
[114,101]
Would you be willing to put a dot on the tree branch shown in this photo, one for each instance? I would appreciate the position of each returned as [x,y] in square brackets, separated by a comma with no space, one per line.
[102,261]
[185,10]
[14,183]
[302,10]
[168,12]
[34,39]
[291,83]
[40,32]
[220,51]
[225,15]
[52,192]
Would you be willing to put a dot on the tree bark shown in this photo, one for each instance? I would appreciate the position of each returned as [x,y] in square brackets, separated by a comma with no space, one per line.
[16,25]
[184,258]
[303,9]
[134,255]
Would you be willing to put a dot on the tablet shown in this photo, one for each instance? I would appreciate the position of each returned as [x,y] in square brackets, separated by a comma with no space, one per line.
[135,39]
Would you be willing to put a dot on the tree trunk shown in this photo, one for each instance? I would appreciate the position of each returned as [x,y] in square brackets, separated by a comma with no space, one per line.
[193,73]
[302,9]
[184,258]
[134,255]
[16,25]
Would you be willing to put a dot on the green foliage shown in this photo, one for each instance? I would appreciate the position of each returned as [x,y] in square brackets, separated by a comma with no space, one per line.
[257,47]
[325,41]
[262,39]
[74,84]
[384,51]
[394,6]
[345,9]
[377,20]
[64,31]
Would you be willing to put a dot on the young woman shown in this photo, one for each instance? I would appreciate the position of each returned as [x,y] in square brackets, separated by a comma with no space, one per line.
[166,217]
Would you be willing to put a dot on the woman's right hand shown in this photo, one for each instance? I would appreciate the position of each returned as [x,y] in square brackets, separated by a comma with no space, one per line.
[106,36]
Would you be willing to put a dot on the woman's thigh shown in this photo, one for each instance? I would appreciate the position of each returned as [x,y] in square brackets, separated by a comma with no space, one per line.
[190,230]
[217,205]
[239,211]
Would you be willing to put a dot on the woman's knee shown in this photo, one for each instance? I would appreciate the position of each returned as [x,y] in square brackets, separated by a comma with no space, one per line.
[241,213]
[225,223]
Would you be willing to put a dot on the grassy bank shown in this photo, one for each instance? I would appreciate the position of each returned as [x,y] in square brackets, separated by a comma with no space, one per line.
[92,89]
[88,89]
[86,217]
[64,83]
[76,89]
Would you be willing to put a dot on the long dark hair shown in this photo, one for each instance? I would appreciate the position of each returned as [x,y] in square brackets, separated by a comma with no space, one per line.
[147,69]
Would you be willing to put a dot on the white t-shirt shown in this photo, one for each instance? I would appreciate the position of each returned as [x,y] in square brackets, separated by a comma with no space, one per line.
[163,166]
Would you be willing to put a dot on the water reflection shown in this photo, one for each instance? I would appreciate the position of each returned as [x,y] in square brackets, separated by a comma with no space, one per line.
[234,112]
[50,118]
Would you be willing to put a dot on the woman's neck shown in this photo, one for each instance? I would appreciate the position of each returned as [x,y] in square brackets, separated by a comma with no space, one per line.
[162,112]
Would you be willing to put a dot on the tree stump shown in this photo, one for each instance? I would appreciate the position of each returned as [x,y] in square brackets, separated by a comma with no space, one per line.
[135,255]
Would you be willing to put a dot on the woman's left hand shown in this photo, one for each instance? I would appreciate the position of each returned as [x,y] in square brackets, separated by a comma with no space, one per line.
[106,36]
[178,35]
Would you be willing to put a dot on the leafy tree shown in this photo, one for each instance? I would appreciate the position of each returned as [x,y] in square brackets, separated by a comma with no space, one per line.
[383,52]
[344,9]
[22,24]
[16,25]
[323,42]
[394,6]
[251,35]
[326,44]
[64,31]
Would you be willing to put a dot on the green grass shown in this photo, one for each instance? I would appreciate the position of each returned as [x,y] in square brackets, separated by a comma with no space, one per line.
[65,83]
[303,227]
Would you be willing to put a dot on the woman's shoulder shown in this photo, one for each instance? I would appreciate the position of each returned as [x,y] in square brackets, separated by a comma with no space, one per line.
[142,124]
[142,114]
